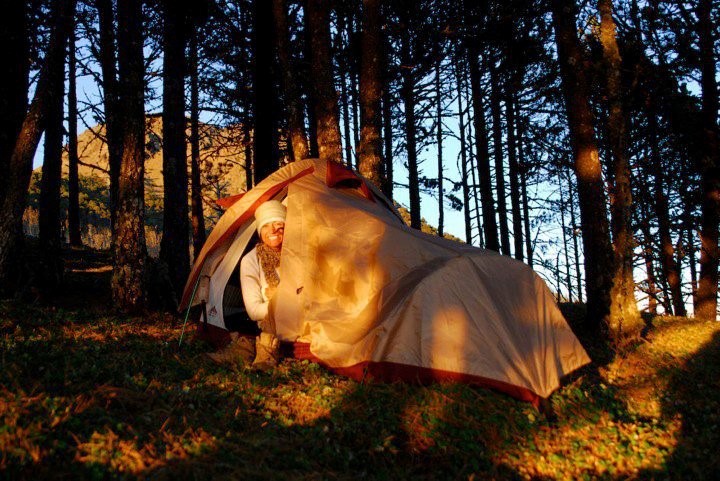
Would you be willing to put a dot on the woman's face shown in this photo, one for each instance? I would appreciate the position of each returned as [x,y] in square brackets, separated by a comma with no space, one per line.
[272,234]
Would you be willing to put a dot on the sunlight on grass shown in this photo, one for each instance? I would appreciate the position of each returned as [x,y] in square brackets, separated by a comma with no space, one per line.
[97,397]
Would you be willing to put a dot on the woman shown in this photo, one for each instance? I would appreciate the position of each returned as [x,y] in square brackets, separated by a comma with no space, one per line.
[260,276]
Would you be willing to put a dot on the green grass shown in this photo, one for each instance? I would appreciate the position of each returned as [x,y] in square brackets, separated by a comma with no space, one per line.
[86,395]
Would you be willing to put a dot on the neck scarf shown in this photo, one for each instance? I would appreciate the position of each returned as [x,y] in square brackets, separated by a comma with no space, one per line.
[269,262]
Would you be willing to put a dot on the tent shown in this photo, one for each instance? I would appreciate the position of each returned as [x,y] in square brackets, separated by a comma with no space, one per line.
[368,297]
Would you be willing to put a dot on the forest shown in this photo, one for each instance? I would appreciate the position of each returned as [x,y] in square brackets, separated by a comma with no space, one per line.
[580,138]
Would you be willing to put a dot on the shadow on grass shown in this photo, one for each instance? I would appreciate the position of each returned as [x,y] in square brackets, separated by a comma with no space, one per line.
[694,395]
[113,401]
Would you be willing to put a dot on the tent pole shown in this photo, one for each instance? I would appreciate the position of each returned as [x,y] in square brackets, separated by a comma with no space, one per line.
[187,311]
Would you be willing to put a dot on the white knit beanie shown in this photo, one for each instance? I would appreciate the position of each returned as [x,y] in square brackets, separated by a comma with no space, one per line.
[268,212]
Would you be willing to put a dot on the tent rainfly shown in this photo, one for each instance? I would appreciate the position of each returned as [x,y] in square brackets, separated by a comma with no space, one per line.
[368,297]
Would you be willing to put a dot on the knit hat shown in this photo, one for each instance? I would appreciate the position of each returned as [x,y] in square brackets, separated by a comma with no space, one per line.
[268,212]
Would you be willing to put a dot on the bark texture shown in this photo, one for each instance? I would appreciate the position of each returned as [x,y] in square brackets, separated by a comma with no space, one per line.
[710,169]
[624,318]
[266,156]
[175,244]
[293,102]
[370,152]
[593,213]
[198,218]
[73,157]
[325,97]
[128,280]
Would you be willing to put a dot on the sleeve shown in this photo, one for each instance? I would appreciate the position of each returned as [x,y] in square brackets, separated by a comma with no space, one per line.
[252,289]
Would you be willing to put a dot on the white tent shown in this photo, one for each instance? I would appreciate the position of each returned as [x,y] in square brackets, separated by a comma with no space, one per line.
[368,296]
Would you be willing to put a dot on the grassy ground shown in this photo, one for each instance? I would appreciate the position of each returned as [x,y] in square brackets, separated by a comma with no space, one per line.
[85,394]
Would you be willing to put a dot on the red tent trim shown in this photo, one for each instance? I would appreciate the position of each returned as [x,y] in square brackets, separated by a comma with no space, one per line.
[337,174]
[227,202]
[392,372]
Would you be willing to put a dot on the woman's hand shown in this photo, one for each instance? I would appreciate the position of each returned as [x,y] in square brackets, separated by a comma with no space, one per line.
[270,292]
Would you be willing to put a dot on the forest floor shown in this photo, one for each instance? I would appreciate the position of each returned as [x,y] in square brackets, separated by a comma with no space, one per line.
[88,394]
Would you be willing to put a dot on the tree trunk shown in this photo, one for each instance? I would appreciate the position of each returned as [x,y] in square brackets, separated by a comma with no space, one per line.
[19,169]
[128,280]
[523,168]
[624,318]
[370,151]
[111,94]
[496,112]
[13,81]
[409,101]
[175,245]
[293,103]
[514,171]
[197,214]
[576,247]
[73,157]
[593,213]
[387,185]
[490,227]
[709,169]
[648,257]
[345,103]
[325,96]
[439,134]
[692,260]
[670,269]
[463,160]
[266,155]
[49,218]
[563,205]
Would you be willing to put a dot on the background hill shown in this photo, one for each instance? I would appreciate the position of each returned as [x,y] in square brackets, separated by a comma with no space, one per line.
[222,174]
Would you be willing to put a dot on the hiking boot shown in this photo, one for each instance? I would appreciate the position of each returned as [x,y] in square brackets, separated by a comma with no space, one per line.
[240,349]
[267,352]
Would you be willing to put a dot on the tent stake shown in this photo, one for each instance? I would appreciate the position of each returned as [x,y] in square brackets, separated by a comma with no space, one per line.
[187,312]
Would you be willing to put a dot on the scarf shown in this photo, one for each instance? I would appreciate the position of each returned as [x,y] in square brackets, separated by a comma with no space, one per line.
[269,262]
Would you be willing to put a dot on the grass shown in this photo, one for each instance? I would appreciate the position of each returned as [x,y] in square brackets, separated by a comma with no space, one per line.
[85,394]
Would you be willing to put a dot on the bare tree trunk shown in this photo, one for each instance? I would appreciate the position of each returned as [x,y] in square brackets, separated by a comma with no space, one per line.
[345,103]
[490,227]
[370,151]
[624,317]
[648,256]
[49,218]
[128,280]
[563,206]
[387,186]
[710,168]
[514,171]
[593,213]
[266,155]
[326,106]
[19,168]
[111,95]
[523,168]
[14,80]
[354,109]
[439,136]
[73,158]
[692,260]
[409,101]
[576,247]
[496,112]
[293,103]
[175,245]
[463,158]
[197,214]
[670,269]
